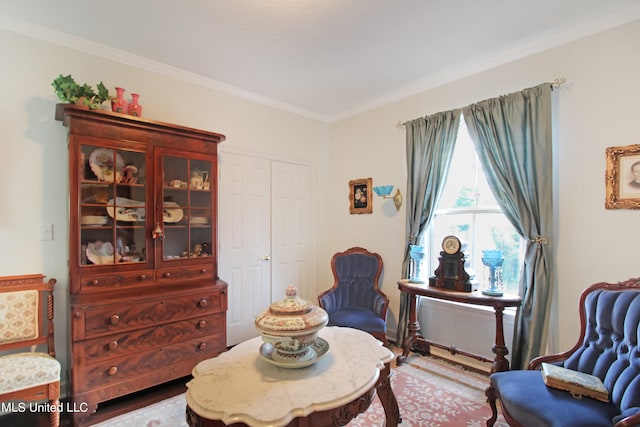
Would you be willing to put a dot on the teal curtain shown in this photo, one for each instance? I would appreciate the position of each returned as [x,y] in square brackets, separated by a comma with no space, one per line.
[430,143]
[512,136]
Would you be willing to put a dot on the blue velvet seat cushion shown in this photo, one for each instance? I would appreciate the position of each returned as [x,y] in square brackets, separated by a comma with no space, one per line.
[358,318]
[524,395]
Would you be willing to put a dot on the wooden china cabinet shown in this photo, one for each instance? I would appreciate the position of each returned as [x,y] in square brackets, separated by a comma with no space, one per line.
[146,301]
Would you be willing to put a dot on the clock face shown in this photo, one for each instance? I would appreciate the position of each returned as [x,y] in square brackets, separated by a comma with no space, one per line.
[451,245]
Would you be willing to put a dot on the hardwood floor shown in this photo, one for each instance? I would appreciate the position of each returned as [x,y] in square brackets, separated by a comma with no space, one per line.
[105,411]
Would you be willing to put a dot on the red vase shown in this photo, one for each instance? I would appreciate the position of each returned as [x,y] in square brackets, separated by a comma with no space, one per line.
[119,104]
[135,109]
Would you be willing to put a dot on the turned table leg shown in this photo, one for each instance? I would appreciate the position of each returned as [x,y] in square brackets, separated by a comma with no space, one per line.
[499,348]
[414,337]
[413,328]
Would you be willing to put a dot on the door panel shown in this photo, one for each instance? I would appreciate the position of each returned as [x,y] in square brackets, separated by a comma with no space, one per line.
[265,236]
[244,235]
[291,224]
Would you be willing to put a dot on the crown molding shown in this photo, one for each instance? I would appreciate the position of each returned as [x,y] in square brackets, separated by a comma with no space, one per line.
[100,50]
[511,53]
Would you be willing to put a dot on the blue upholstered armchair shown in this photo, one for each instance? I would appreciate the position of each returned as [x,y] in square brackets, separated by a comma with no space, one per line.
[355,300]
[607,347]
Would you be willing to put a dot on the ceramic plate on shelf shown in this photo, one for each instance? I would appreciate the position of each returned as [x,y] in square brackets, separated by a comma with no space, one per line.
[94,220]
[126,210]
[319,349]
[172,212]
[199,220]
[101,253]
[103,166]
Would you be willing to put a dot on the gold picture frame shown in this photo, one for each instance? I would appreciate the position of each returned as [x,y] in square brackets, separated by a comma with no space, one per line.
[622,178]
[360,196]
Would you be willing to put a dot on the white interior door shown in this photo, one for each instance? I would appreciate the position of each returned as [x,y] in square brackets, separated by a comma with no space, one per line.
[264,229]
[291,224]
[245,240]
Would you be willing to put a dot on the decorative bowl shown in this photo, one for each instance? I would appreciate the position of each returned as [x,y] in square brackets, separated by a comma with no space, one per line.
[492,258]
[99,252]
[383,190]
[416,252]
[315,353]
[291,326]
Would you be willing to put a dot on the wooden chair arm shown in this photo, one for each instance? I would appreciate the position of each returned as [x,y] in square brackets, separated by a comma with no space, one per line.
[630,421]
[536,363]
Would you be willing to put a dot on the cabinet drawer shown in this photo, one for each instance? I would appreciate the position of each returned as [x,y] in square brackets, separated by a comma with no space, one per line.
[143,363]
[124,343]
[139,314]
[185,273]
[116,280]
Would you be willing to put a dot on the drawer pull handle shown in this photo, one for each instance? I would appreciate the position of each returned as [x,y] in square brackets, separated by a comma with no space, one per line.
[203,302]
[202,324]
[114,319]
[203,271]
[113,345]
[167,274]
[202,345]
[142,277]
[95,282]
[112,370]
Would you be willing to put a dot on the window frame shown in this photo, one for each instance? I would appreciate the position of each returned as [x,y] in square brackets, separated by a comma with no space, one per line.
[427,238]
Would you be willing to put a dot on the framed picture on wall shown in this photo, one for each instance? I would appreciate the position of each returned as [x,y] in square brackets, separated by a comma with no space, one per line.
[360,200]
[622,178]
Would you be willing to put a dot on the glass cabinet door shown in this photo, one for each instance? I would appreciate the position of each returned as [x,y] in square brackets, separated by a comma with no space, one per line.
[187,208]
[112,206]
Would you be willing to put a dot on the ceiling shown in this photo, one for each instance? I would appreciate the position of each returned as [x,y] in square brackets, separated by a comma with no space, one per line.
[326,59]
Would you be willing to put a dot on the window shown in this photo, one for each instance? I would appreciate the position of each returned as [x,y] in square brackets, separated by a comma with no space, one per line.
[469,210]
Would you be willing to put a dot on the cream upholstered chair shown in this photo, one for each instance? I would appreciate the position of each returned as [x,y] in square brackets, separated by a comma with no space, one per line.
[26,323]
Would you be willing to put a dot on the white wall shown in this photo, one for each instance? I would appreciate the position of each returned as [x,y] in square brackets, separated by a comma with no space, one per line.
[33,160]
[596,108]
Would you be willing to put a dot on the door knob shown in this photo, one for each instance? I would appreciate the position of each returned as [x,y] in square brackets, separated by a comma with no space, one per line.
[266,257]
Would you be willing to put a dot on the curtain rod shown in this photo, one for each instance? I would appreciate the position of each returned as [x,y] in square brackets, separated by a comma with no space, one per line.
[554,84]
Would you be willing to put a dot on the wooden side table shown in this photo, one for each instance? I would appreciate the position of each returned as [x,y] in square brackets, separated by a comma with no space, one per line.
[239,388]
[414,337]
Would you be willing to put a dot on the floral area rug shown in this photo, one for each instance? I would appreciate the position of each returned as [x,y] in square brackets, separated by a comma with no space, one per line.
[430,393]
[434,393]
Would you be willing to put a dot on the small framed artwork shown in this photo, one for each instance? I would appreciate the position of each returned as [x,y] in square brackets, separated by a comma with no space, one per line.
[622,178]
[360,200]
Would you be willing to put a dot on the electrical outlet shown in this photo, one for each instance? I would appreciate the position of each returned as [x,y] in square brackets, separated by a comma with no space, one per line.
[46,232]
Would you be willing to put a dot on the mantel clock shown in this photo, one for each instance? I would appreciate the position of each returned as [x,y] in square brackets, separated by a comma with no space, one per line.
[451,272]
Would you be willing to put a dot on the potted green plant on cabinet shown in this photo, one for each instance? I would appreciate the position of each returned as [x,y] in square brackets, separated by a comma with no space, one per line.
[69,91]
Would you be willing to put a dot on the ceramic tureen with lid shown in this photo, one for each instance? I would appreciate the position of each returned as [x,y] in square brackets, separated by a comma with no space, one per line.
[290,330]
